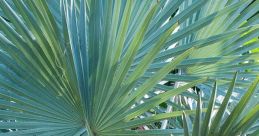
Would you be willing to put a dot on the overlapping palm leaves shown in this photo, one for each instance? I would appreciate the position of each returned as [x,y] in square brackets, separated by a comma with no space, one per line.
[237,123]
[82,67]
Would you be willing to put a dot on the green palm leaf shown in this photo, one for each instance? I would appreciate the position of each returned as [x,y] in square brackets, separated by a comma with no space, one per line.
[97,67]
[233,124]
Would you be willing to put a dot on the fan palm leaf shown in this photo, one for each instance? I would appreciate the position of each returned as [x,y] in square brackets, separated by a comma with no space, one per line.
[234,124]
[83,67]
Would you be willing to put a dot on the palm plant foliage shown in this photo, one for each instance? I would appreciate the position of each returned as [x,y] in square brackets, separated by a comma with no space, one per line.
[238,122]
[129,67]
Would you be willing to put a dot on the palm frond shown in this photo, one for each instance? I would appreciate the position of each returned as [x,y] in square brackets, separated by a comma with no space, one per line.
[97,67]
[233,124]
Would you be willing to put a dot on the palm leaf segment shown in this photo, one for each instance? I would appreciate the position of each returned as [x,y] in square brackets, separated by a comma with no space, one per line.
[238,122]
[77,67]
